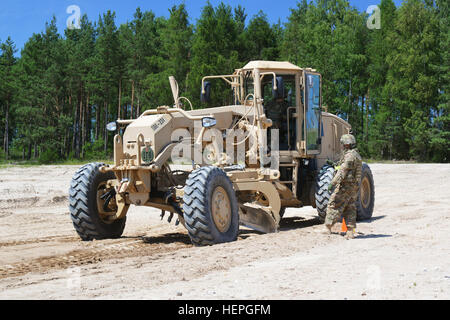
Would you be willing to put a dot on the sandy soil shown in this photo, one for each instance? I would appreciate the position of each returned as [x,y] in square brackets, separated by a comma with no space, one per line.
[402,253]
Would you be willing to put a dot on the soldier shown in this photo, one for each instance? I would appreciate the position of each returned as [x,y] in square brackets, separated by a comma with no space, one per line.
[346,185]
[276,111]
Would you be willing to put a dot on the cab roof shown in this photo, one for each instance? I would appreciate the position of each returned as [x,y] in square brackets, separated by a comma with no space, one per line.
[278,65]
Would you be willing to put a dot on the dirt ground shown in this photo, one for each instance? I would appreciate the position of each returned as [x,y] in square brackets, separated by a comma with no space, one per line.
[402,253]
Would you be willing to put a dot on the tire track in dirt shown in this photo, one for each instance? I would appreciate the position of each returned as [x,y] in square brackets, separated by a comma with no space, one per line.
[6,205]
[58,239]
[97,252]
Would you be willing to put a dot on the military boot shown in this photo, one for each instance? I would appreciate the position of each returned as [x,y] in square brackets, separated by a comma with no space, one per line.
[328,228]
[350,233]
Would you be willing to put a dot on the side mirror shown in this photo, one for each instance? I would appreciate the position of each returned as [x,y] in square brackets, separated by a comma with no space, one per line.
[205,94]
[112,126]
[279,93]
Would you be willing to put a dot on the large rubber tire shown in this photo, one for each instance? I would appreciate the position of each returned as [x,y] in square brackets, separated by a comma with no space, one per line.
[197,207]
[83,205]
[366,194]
[322,194]
[282,212]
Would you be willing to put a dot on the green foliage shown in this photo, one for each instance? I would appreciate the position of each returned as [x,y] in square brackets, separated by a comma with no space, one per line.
[261,39]
[392,84]
[215,50]
[389,82]
[94,150]
[48,156]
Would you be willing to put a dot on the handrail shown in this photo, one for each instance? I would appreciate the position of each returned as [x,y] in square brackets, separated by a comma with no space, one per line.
[288,129]
[262,74]
[178,100]
[224,77]
[164,110]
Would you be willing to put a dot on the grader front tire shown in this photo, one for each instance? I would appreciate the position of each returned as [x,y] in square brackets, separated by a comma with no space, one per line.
[210,207]
[84,190]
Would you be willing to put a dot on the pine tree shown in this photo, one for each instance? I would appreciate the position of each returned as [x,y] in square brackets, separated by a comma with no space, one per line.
[382,109]
[107,73]
[79,48]
[175,35]
[411,81]
[261,39]
[7,88]
[140,43]
[330,36]
[215,52]
[440,124]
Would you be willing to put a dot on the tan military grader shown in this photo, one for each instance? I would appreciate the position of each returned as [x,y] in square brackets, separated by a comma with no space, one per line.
[241,164]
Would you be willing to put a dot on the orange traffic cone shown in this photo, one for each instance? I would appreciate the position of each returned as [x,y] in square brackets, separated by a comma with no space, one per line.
[344,226]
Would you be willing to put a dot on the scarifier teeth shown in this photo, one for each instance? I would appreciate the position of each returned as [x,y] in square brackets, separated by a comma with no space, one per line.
[177,222]
[170,217]
[162,214]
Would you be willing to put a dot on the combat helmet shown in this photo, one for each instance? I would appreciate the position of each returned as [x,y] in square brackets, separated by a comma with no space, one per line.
[348,139]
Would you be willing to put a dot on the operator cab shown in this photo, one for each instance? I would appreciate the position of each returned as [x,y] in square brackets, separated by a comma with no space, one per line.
[279,106]
[292,100]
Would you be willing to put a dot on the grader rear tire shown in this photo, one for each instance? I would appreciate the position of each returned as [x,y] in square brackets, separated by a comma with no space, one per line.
[282,212]
[210,207]
[322,194]
[85,187]
[366,195]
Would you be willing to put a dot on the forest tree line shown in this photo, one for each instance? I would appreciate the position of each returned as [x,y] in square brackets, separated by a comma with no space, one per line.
[391,83]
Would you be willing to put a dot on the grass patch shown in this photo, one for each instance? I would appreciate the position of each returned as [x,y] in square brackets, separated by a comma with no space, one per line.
[391,161]
[32,163]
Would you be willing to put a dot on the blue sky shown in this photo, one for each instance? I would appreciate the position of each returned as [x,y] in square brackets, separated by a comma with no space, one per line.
[20,19]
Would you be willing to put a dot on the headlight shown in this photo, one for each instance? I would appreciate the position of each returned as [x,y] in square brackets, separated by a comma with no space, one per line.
[208,122]
[112,126]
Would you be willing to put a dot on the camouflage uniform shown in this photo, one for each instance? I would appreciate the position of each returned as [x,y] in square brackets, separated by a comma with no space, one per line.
[346,183]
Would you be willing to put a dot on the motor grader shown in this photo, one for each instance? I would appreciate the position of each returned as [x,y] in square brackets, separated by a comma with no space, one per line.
[241,165]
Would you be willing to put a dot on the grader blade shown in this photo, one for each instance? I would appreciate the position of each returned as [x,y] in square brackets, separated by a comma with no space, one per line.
[257,218]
